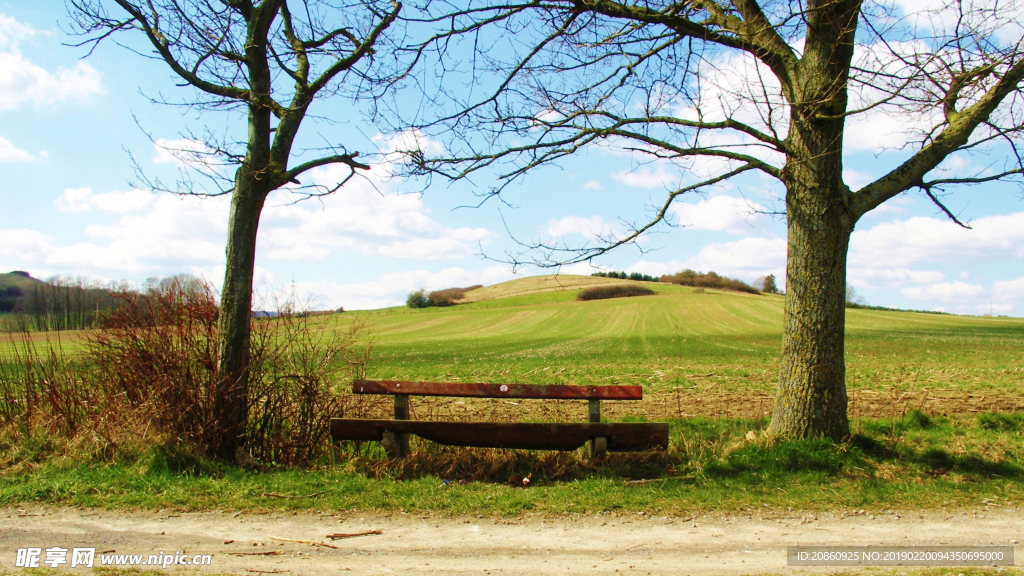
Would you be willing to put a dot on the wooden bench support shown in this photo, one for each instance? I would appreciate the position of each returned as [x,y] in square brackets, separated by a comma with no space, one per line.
[397,445]
[617,437]
[599,445]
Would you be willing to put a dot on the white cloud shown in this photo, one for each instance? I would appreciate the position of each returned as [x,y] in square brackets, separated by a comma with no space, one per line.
[925,239]
[409,141]
[26,246]
[947,292]
[361,216]
[647,178]
[1003,297]
[747,259]
[885,277]
[593,228]
[656,268]
[187,153]
[593,185]
[1008,291]
[721,214]
[391,289]
[895,206]
[82,200]
[23,81]
[11,153]
[856,179]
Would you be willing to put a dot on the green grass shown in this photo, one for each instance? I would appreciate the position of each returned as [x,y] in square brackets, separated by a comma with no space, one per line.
[915,462]
[723,342]
[697,356]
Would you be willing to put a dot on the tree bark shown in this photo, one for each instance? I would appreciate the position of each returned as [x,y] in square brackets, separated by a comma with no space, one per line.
[811,400]
[231,398]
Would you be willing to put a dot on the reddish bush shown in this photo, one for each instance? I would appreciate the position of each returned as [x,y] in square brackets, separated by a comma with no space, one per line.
[620,291]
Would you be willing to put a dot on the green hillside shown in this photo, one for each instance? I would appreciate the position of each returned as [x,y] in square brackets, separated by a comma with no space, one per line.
[17,280]
[13,287]
[718,349]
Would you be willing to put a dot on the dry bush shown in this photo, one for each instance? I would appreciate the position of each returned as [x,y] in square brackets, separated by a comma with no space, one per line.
[449,296]
[157,354]
[51,406]
[40,389]
[300,372]
[619,291]
[149,375]
[508,466]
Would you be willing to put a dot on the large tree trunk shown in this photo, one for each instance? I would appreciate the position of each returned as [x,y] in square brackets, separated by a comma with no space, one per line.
[811,399]
[231,397]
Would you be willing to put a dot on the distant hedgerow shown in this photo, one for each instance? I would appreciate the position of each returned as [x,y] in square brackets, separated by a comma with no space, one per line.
[709,280]
[623,276]
[447,297]
[602,292]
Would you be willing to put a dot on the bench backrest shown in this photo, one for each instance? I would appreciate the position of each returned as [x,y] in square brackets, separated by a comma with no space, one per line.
[465,389]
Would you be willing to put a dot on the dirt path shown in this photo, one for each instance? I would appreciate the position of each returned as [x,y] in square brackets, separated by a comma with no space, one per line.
[604,544]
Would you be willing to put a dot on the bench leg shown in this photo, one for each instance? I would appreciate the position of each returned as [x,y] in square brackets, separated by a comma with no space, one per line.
[598,446]
[397,445]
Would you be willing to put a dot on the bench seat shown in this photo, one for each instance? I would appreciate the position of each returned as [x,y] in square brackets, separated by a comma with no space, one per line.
[621,437]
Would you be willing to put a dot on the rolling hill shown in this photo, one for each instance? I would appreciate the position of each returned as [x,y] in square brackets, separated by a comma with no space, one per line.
[716,344]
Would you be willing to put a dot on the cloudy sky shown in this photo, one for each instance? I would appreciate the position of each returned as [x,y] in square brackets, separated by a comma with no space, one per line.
[71,127]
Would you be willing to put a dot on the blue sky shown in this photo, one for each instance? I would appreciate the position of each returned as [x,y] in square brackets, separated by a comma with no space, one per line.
[67,126]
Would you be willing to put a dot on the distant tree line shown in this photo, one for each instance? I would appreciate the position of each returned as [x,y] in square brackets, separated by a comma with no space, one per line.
[59,303]
[75,303]
[700,280]
[631,276]
[447,297]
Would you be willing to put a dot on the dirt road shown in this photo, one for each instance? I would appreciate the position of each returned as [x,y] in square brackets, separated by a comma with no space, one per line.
[430,544]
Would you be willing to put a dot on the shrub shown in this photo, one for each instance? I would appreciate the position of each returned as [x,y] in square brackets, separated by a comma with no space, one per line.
[447,297]
[158,351]
[417,299]
[151,376]
[297,380]
[709,280]
[602,292]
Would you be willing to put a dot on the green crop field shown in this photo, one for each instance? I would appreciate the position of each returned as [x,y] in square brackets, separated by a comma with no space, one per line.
[936,400]
[714,353]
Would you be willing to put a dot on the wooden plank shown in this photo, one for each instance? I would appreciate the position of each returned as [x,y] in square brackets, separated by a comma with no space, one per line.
[477,390]
[621,437]
[397,446]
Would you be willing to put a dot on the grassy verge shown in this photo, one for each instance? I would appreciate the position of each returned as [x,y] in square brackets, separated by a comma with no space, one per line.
[916,461]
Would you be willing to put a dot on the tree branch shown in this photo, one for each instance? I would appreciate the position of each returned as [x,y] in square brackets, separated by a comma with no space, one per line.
[956,134]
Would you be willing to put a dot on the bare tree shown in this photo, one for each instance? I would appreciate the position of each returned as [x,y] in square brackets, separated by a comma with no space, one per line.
[718,88]
[268,60]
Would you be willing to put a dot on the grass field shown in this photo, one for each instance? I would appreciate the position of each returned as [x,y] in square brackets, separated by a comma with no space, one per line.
[681,345]
[923,390]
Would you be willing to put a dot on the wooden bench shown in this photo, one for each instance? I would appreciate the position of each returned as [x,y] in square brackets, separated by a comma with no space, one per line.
[602,437]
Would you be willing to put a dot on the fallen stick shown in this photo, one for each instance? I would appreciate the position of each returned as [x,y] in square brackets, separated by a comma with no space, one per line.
[310,542]
[340,536]
[271,553]
[313,495]
[267,571]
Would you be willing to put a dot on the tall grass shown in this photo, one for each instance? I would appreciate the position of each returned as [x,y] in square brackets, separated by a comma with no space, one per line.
[149,376]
